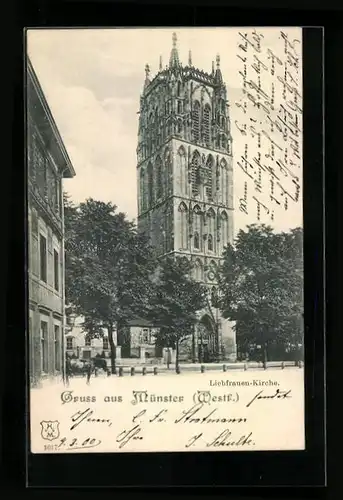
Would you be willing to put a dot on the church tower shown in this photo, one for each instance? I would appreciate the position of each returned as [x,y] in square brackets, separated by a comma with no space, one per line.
[185,182]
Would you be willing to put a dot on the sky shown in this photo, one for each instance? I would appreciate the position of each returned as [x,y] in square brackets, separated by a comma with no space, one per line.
[92,80]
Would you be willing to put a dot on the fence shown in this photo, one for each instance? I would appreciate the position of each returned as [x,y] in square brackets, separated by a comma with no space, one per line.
[202,368]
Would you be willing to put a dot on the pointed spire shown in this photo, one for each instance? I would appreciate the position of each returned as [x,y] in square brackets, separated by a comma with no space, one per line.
[190,58]
[212,67]
[147,74]
[218,61]
[218,75]
[160,66]
[174,56]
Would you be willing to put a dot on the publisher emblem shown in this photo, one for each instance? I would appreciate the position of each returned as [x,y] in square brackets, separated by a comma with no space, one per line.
[50,429]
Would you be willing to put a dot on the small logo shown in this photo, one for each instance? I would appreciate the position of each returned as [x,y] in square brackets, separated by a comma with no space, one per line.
[50,429]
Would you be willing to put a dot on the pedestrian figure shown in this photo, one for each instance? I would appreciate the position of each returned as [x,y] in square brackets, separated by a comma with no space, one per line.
[68,370]
[88,371]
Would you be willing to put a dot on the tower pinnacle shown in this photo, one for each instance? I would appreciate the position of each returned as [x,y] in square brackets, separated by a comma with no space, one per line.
[174,56]
[218,75]
[147,74]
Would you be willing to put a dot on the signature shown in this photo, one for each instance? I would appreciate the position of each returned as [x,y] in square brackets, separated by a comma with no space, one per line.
[224,439]
[87,416]
[278,394]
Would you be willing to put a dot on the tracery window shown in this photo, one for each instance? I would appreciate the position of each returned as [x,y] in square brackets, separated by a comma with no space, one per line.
[207,117]
[198,270]
[150,185]
[196,121]
[196,240]
[195,173]
[183,226]
[178,88]
[182,169]
[210,242]
[209,177]
[159,182]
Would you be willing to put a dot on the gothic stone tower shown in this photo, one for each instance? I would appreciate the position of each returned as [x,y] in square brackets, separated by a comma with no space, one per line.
[185,182]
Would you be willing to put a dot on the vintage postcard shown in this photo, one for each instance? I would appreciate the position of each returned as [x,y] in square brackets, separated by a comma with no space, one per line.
[165,240]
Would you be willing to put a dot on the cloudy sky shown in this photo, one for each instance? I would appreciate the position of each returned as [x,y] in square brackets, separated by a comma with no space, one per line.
[93,79]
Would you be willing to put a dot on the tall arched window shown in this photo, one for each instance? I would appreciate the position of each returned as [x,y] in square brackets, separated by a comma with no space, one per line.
[196,240]
[179,107]
[143,197]
[178,88]
[182,170]
[209,177]
[159,181]
[196,121]
[168,168]
[150,182]
[224,176]
[197,226]
[195,173]
[225,229]
[183,226]
[179,126]
[214,296]
[198,270]
[211,217]
[207,124]
[210,242]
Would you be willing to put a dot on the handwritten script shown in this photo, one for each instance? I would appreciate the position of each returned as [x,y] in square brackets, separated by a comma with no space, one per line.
[268,149]
[203,424]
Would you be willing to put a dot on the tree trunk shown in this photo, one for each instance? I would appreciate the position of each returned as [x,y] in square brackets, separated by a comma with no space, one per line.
[177,366]
[113,348]
[265,355]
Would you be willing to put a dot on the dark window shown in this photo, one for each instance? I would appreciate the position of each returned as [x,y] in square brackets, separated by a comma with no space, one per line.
[56,271]
[159,181]
[207,113]
[196,240]
[69,343]
[210,242]
[57,348]
[44,345]
[150,185]
[88,342]
[209,180]
[87,354]
[196,121]
[179,107]
[34,222]
[178,88]
[105,344]
[43,258]
[195,173]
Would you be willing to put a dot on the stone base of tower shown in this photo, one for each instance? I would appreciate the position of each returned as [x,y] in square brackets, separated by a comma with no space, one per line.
[228,340]
[212,340]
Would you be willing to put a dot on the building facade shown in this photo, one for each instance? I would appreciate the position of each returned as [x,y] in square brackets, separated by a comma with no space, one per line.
[81,346]
[137,342]
[48,163]
[185,182]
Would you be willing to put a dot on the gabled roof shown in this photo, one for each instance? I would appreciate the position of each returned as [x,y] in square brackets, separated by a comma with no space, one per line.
[67,167]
